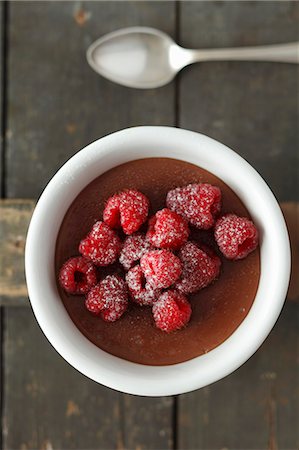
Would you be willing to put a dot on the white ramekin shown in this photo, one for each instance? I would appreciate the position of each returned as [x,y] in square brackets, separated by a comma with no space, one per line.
[97,158]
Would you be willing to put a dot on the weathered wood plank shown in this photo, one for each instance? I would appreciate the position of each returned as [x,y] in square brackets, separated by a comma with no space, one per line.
[291,214]
[2,67]
[48,404]
[15,216]
[147,423]
[251,107]
[63,408]
[255,408]
[14,220]
[56,103]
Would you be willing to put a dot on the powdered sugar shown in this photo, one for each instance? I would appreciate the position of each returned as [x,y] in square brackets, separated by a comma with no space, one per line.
[199,268]
[161,268]
[141,292]
[111,214]
[109,298]
[134,247]
[167,230]
[171,311]
[128,209]
[197,203]
[236,236]
[102,245]
[77,276]
[191,268]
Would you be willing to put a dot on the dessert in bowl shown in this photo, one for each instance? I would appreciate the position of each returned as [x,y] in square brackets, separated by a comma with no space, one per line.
[217,306]
[230,318]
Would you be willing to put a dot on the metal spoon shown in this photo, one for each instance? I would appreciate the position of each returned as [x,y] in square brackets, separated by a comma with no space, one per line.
[142,57]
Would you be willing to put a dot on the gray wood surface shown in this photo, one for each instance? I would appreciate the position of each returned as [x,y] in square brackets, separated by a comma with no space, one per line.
[291,214]
[1,95]
[147,423]
[254,408]
[251,107]
[49,405]
[15,216]
[56,105]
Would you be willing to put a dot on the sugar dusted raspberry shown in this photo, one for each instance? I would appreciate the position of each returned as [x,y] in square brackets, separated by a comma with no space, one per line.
[236,236]
[77,276]
[161,268]
[197,203]
[134,247]
[141,291]
[167,230]
[111,214]
[171,311]
[128,210]
[101,245]
[200,267]
[109,298]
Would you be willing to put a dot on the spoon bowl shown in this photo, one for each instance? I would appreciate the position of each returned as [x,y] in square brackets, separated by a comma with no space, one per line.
[145,58]
[135,57]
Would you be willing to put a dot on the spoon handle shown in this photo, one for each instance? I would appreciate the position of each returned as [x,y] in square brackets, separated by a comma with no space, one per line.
[286,53]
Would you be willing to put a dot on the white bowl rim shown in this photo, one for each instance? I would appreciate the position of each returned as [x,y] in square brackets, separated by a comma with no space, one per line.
[112,150]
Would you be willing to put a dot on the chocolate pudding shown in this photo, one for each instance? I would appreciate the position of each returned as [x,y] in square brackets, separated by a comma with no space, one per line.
[217,310]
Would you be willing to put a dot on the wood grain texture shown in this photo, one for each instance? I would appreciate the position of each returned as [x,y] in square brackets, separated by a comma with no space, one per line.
[15,216]
[48,404]
[2,77]
[255,408]
[252,107]
[147,423]
[56,103]
[64,409]
[291,214]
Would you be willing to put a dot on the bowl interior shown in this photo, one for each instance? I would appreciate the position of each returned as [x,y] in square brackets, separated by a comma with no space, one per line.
[97,158]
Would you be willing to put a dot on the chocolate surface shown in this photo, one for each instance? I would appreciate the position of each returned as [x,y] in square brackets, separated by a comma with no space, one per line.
[217,310]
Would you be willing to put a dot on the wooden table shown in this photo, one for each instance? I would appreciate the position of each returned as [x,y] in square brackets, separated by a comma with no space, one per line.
[53,104]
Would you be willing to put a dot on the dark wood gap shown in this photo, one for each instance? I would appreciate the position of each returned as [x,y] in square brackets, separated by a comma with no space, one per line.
[4,84]
[121,439]
[175,424]
[178,78]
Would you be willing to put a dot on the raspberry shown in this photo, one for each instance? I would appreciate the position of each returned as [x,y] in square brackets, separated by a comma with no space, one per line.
[236,236]
[197,203]
[77,275]
[171,311]
[101,245]
[167,230]
[141,292]
[128,210]
[200,267]
[161,268]
[109,298]
[134,247]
